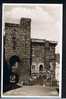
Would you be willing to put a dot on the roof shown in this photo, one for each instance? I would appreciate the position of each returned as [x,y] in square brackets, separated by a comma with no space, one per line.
[33,40]
[38,40]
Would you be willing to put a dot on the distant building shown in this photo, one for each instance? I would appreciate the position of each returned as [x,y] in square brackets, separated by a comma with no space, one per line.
[36,56]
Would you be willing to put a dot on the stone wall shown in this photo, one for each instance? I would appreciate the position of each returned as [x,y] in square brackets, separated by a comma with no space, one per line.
[37,55]
[50,60]
[17,42]
[43,53]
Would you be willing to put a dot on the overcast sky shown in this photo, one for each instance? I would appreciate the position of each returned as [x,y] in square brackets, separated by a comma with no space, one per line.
[46,19]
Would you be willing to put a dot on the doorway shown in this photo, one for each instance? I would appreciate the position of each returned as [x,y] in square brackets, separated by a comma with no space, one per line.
[41,68]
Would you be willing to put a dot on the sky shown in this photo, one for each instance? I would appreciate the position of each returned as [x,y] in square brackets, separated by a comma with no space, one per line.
[46,19]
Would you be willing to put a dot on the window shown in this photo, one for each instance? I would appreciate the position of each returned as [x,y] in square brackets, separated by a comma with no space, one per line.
[47,53]
[52,52]
[41,68]
[33,67]
[51,66]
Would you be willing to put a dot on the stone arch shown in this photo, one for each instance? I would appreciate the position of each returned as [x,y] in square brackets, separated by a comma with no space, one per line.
[14,62]
[41,67]
[13,59]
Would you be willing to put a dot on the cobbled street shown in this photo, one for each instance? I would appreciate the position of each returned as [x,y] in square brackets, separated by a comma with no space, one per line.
[32,91]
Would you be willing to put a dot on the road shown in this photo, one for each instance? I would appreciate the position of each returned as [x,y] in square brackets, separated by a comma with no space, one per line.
[32,91]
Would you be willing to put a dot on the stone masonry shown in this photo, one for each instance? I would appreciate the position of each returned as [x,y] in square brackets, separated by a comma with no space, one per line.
[17,42]
[43,54]
[35,55]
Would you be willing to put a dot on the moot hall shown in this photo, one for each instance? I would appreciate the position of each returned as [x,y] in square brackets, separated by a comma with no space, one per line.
[35,58]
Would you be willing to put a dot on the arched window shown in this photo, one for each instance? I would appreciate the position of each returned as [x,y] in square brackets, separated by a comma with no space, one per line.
[33,67]
[41,68]
[51,66]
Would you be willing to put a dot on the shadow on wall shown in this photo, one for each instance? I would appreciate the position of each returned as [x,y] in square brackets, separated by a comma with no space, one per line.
[7,71]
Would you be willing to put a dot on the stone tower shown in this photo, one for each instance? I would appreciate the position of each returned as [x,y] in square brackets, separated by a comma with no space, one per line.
[17,42]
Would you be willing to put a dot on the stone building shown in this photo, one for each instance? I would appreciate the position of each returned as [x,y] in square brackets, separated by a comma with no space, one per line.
[43,57]
[36,56]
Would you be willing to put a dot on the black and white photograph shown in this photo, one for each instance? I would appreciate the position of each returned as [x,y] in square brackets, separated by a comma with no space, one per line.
[31,50]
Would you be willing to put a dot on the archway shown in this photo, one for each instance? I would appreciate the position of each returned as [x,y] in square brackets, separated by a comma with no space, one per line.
[14,61]
[41,68]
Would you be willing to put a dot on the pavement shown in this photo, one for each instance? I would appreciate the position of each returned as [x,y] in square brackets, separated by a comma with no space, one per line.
[35,90]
